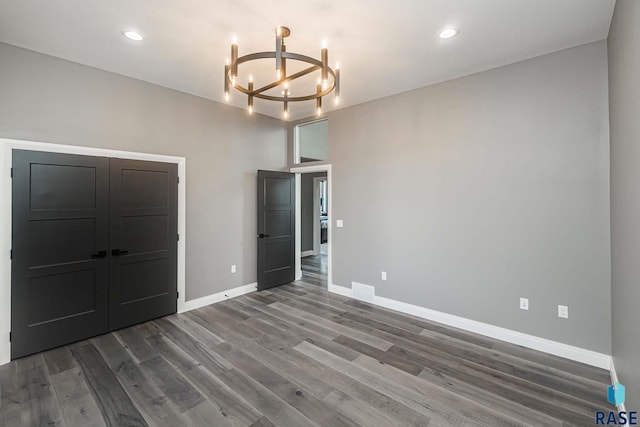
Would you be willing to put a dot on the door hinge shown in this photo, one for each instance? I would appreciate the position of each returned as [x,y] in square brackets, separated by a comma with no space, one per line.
[178,237]
[11,172]
[177,295]
[9,336]
[178,180]
[10,253]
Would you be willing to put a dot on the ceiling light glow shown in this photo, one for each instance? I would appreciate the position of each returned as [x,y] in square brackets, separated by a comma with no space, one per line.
[133,35]
[447,33]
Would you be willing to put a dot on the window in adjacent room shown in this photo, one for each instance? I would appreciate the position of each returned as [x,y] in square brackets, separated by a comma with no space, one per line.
[312,141]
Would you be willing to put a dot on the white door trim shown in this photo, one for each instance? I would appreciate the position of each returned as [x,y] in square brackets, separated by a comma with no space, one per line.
[5,218]
[316,214]
[310,169]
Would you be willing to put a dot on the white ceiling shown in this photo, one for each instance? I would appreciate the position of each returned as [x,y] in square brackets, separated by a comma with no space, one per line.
[384,46]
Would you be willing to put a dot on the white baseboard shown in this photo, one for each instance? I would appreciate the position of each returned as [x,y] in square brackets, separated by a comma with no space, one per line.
[307,253]
[340,290]
[220,296]
[614,380]
[578,354]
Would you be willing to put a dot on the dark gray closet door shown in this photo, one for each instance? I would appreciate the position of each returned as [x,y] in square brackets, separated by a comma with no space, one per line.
[143,241]
[59,259]
[276,228]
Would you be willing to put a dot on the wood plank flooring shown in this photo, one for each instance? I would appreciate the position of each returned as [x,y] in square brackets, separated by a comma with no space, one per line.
[315,267]
[297,356]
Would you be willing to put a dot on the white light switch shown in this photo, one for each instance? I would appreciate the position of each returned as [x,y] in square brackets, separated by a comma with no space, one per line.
[339,223]
[233,268]
[384,275]
[524,303]
[563,311]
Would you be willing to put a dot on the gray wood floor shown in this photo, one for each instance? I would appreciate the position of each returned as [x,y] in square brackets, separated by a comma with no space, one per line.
[314,268]
[297,356]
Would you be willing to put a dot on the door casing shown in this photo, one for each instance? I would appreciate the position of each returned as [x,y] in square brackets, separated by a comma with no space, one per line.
[7,145]
[298,170]
[316,214]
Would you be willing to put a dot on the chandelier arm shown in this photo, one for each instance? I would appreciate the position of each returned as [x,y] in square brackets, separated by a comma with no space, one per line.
[256,55]
[325,92]
[258,93]
[287,79]
[303,58]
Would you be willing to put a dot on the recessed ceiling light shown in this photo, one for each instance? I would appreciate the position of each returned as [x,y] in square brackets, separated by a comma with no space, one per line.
[447,33]
[133,35]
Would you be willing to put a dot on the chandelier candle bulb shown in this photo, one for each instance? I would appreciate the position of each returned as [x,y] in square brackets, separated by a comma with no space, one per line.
[324,55]
[234,60]
[279,45]
[250,99]
[286,103]
[226,80]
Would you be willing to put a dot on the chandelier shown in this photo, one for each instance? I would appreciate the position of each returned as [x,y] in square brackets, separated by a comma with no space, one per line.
[329,78]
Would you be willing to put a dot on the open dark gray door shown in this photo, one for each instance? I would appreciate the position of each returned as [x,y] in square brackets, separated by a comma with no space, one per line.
[59,254]
[276,228]
[143,241]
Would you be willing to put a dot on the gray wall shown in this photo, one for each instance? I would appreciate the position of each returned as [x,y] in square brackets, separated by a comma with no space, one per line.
[52,100]
[624,101]
[487,188]
[306,209]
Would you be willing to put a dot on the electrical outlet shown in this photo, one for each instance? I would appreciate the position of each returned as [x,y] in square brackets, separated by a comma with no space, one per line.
[563,311]
[384,275]
[233,269]
[524,303]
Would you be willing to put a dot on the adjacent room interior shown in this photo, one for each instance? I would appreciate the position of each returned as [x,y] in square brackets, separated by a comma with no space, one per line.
[319,213]
[311,144]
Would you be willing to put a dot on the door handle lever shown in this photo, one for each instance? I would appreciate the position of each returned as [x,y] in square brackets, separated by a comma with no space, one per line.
[118,252]
[99,254]
[262,236]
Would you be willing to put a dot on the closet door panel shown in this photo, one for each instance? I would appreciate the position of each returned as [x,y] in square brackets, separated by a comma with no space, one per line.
[59,264]
[143,241]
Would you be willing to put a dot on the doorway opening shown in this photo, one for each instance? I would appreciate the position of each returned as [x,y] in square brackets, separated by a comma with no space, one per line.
[313,228]
[313,224]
